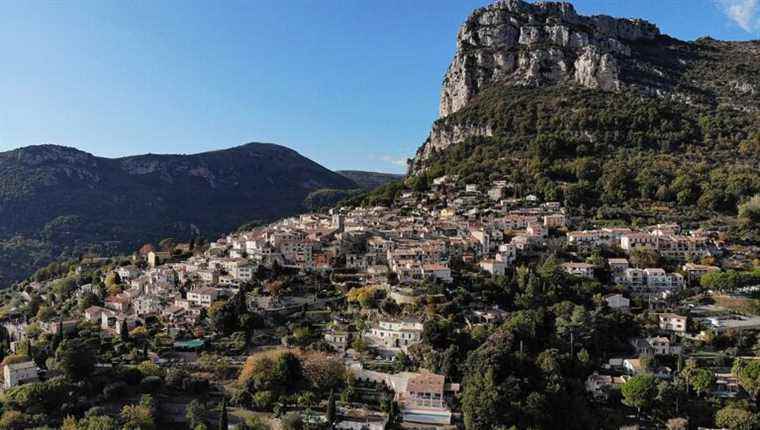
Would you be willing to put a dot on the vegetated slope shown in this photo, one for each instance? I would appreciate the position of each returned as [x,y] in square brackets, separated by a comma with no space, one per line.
[58,202]
[370,180]
[597,111]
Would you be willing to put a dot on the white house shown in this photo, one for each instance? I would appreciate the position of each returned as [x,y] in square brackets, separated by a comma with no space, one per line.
[93,313]
[673,322]
[657,278]
[658,345]
[618,302]
[437,271]
[203,296]
[579,269]
[19,373]
[396,334]
[494,267]
[617,266]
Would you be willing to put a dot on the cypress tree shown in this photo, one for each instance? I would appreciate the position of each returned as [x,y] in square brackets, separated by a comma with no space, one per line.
[124,331]
[223,415]
[331,409]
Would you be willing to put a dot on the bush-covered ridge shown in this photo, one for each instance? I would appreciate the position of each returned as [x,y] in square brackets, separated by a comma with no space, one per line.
[599,118]
[591,148]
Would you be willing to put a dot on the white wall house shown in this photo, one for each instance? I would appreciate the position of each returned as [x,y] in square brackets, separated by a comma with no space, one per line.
[19,373]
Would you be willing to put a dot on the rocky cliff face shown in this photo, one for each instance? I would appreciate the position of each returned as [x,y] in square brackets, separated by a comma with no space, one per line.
[537,44]
[513,42]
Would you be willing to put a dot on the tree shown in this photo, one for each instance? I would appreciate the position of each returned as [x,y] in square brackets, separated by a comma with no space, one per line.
[195,414]
[112,280]
[702,380]
[749,211]
[639,391]
[64,287]
[223,415]
[69,423]
[137,417]
[733,417]
[97,422]
[438,333]
[276,371]
[325,372]
[275,288]
[45,313]
[256,423]
[748,374]
[359,344]
[14,420]
[394,416]
[677,424]
[670,397]
[292,421]
[75,358]
[644,257]
[617,182]
[288,370]
[481,403]
[148,368]
[331,412]
[88,299]
[124,331]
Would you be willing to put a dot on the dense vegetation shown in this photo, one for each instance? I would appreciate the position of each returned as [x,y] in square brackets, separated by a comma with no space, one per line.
[589,149]
[369,180]
[682,133]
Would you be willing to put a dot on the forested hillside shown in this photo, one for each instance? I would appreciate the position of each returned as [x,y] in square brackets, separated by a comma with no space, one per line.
[58,202]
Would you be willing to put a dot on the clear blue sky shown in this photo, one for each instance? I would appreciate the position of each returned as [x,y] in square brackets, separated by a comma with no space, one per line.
[351,84]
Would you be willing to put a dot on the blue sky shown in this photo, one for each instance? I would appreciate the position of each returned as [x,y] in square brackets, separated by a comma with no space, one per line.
[351,84]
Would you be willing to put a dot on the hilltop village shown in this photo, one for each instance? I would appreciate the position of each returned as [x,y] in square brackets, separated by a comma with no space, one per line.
[454,307]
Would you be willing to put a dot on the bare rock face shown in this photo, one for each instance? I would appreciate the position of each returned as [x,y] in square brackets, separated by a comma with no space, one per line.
[512,42]
[520,43]
[444,134]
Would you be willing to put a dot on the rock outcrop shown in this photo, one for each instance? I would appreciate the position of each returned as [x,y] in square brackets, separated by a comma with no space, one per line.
[512,42]
[443,135]
[537,44]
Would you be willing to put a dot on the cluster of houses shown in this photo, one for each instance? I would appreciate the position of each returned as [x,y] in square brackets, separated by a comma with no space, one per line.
[402,250]
[156,291]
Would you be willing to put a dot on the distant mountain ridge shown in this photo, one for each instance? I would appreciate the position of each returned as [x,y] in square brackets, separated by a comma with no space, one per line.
[58,201]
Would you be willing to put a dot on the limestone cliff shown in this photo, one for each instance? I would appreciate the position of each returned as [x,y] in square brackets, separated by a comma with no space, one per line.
[538,44]
[516,44]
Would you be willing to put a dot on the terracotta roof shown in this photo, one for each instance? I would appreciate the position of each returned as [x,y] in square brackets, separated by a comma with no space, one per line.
[426,383]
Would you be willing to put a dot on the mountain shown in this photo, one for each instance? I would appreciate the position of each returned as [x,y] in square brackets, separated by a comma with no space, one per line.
[598,111]
[57,201]
[370,180]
